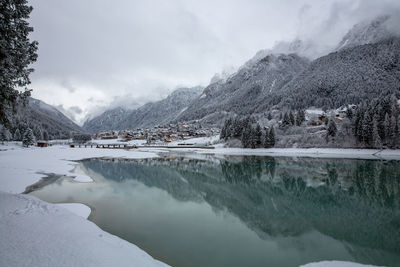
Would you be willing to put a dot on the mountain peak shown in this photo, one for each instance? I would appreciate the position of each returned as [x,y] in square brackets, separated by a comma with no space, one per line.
[148,115]
[366,32]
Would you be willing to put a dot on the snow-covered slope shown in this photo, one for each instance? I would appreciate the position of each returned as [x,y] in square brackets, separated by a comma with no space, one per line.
[297,46]
[242,92]
[150,114]
[349,76]
[37,113]
[108,120]
[41,109]
[366,32]
[163,111]
[35,233]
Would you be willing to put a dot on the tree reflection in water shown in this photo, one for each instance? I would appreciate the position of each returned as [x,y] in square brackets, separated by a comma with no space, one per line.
[352,200]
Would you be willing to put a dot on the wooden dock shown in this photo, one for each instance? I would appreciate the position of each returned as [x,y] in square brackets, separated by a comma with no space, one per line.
[194,146]
[108,146]
[116,146]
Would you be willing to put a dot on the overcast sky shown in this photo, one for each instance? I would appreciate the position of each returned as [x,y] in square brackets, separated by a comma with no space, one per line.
[94,54]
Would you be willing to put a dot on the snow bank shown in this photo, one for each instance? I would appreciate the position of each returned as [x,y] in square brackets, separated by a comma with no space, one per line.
[198,141]
[35,233]
[335,264]
[21,167]
[387,154]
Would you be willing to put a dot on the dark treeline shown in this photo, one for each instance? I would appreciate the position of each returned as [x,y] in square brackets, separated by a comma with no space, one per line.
[376,124]
[249,131]
[372,125]
[291,119]
[368,125]
[18,129]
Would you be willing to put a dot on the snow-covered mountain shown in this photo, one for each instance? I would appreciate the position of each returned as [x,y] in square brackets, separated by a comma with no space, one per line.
[150,114]
[350,76]
[296,46]
[367,32]
[242,92]
[110,119]
[39,115]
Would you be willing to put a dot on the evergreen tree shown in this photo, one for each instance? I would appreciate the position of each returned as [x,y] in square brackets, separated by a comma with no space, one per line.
[291,118]
[349,113]
[332,128]
[300,117]
[269,116]
[237,128]
[45,135]
[4,134]
[394,132]
[246,135]
[367,128]
[28,138]
[271,137]
[380,118]
[229,130]
[17,135]
[16,54]
[358,118]
[253,137]
[251,119]
[38,133]
[377,142]
[386,105]
[258,135]
[397,134]
[266,139]
[394,108]
[223,130]
[286,120]
[387,127]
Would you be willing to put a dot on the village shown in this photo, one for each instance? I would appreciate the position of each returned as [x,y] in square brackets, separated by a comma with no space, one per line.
[160,135]
[175,133]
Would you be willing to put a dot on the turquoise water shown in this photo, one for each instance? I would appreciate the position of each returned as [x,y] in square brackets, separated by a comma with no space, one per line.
[244,211]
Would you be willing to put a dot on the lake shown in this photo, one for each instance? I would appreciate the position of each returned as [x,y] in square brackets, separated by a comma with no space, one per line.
[244,211]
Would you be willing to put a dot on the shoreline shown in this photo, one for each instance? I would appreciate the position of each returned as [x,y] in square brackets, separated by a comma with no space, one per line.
[349,153]
[345,153]
[57,233]
[28,169]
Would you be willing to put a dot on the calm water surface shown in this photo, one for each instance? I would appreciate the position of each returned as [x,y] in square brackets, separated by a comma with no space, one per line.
[244,211]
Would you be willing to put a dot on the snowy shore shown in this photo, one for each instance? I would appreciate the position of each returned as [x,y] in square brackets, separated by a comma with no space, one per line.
[21,167]
[219,149]
[347,153]
[36,233]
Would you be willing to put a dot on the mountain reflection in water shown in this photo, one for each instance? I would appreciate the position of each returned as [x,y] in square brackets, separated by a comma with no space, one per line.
[327,208]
